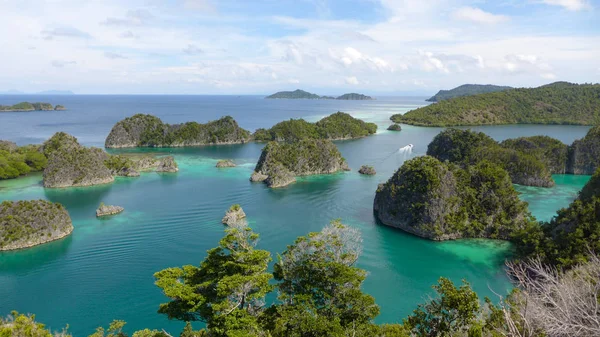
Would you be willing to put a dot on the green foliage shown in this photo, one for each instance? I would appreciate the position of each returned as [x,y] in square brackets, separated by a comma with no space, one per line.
[26,106]
[296,94]
[443,201]
[320,286]
[466,147]
[226,291]
[20,161]
[117,163]
[557,103]
[339,125]
[24,222]
[466,90]
[569,237]
[115,329]
[354,96]
[549,151]
[235,207]
[20,325]
[457,145]
[453,312]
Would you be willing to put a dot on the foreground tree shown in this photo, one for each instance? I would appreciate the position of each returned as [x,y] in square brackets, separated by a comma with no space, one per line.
[453,312]
[319,287]
[20,325]
[226,291]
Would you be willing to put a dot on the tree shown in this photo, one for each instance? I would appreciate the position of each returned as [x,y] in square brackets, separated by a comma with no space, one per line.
[25,326]
[320,286]
[454,310]
[226,291]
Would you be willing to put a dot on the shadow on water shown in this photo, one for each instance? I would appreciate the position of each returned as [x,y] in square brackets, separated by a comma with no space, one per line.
[35,257]
[79,200]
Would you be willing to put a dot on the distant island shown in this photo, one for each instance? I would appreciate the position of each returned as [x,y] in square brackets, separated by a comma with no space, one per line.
[556,103]
[337,126]
[466,90]
[26,106]
[149,131]
[301,94]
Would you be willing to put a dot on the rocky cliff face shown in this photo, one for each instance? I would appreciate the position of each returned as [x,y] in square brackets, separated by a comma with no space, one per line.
[26,224]
[106,210]
[279,163]
[440,201]
[584,154]
[167,164]
[234,216]
[149,131]
[70,164]
[551,152]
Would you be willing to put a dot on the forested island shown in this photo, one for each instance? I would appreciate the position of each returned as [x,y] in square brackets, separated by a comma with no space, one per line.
[71,164]
[26,106]
[301,94]
[149,131]
[337,126]
[466,90]
[25,223]
[280,163]
[556,103]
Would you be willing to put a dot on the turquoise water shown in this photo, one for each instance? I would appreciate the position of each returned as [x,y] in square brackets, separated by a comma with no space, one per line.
[103,271]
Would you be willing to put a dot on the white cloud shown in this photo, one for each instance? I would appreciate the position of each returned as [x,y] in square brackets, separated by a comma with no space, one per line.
[477,15]
[62,63]
[352,80]
[114,56]
[572,5]
[192,50]
[64,31]
[136,17]
[200,5]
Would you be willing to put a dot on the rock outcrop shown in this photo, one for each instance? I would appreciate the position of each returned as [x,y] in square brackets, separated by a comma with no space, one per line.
[71,164]
[26,224]
[584,154]
[105,210]
[8,146]
[60,108]
[367,170]
[167,164]
[234,215]
[441,201]
[225,163]
[280,163]
[149,131]
[395,127]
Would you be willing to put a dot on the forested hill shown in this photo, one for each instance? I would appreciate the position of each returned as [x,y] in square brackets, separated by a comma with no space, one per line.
[556,103]
[466,90]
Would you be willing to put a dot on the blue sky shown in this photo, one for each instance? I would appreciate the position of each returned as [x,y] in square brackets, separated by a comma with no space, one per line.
[328,46]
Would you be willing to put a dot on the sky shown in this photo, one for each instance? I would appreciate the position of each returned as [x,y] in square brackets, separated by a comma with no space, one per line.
[386,47]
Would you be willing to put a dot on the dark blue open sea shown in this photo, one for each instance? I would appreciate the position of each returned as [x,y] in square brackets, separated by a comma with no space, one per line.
[103,271]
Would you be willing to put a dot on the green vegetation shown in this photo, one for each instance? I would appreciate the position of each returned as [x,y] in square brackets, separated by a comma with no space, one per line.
[337,126]
[17,161]
[296,94]
[20,325]
[395,127]
[26,106]
[355,97]
[466,90]
[549,151]
[584,154]
[27,223]
[466,147]
[441,201]
[301,94]
[557,103]
[118,163]
[279,163]
[71,164]
[149,131]
[569,238]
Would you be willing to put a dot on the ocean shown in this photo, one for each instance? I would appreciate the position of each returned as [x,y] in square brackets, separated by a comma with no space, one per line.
[103,271]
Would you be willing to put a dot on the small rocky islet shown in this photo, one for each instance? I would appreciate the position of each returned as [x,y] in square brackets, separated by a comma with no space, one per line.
[367,170]
[234,215]
[27,106]
[225,163]
[106,210]
[280,163]
[28,223]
